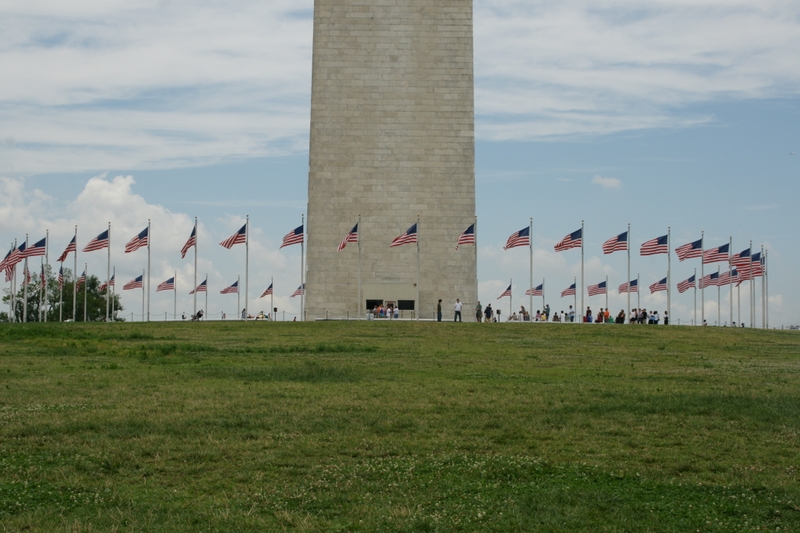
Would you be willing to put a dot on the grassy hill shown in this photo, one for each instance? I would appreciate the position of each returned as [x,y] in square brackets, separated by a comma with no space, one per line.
[376,426]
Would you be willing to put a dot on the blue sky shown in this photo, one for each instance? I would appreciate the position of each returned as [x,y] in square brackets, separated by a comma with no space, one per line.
[680,114]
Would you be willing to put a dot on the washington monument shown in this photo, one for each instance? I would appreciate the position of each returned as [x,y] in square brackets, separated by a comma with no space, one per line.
[392,140]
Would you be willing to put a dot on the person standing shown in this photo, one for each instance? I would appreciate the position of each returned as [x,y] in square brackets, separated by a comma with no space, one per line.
[439,311]
[478,311]
[487,313]
[457,308]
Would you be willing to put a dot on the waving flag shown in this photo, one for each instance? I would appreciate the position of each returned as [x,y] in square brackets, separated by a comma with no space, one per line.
[267,292]
[573,240]
[240,237]
[138,241]
[350,237]
[26,274]
[300,291]
[600,288]
[467,236]
[11,259]
[726,278]
[110,283]
[135,283]
[168,285]
[98,243]
[756,265]
[42,278]
[655,246]
[81,280]
[409,237]
[520,238]
[716,255]
[686,284]
[293,237]
[34,250]
[70,248]
[61,278]
[658,286]
[233,289]
[709,280]
[535,291]
[203,287]
[742,261]
[191,242]
[616,244]
[688,251]
[506,292]
[624,287]
[569,291]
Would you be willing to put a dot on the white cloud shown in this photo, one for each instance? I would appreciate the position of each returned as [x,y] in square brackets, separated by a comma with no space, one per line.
[609,183]
[162,84]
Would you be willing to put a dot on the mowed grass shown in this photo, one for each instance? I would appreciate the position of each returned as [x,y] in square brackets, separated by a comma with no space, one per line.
[377,426]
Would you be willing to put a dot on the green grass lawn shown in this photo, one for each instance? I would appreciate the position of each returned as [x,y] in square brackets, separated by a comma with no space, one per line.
[375,426]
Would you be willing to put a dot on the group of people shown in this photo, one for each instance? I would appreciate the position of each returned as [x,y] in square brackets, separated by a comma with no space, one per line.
[388,311]
[642,316]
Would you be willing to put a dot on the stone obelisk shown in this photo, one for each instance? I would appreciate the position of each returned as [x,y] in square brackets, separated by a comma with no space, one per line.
[392,139]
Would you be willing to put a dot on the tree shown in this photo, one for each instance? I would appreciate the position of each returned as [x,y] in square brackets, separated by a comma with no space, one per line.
[95,300]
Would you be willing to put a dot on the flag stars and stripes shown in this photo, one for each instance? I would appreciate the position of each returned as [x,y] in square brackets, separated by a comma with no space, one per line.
[519,238]
[616,244]
[573,240]
[660,285]
[624,287]
[569,291]
[168,285]
[135,283]
[655,246]
[138,241]
[240,237]
[350,237]
[189,243]
[505,293]
[295,236]
[98,243]
[233,289]
[690,250]
[598,289]
[467,236]
[409,237]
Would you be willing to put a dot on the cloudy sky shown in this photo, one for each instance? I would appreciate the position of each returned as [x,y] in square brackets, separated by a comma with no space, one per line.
[667,114]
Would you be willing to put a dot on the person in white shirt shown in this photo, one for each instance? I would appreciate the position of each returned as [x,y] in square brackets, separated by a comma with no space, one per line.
[457,308]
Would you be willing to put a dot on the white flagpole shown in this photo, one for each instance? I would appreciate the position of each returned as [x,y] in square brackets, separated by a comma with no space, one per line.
[416,305]
[195,265]
[629,269]
[206,312]
[143,283]
[12,284]
[75,276]
[239,296]
[40,291]
[510,281]
[247,264]
[730,278]
[530,238]
[531,309]
[763,292]
[47,265]
[578,316]
[766,289]
[739,305]
[719,311]
[606,293]
[61,295]
[25,285]
[702,275]
[114,288]
[302,268]
[271,303]
[108,266]
[695,297]
[750,288]
[669,273]
[638,293]
[475,251]
[85,291]
[583,239]
[175,297]
[149,270]
[359,309]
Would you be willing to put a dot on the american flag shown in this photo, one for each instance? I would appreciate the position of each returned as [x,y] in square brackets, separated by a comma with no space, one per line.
[191,242]
[655,246]
[70,248]
[726,278]
[299,292]
[168,285]
[350,237]
[35,250]
[569,291]
[742,260]
[467,236]
[409,237]
[135,283]
[506,292]
[537,291]
[98,243]
[600,288]
[203,287]
[293,237]
[687,251]
[240,237]
[138,241]
[267,292]
[658,286]
[616,244]
[61,278]
[709,280]
[110,283]
[81,281]
[686,284]
[26,274]
[10,260]
[233,289]
[42,278]
[520,238]
[573,240]
[624,287]
[716,255]
[756,265]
